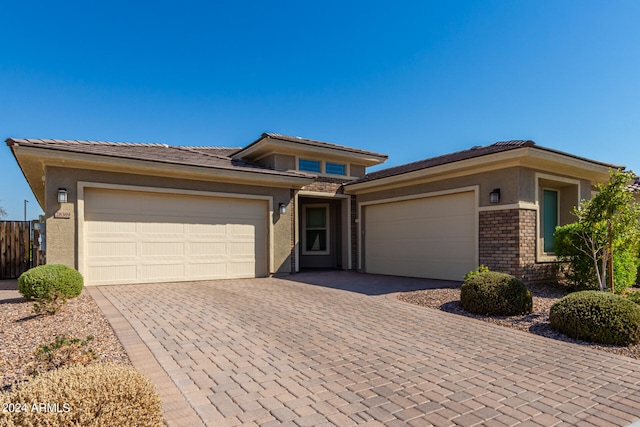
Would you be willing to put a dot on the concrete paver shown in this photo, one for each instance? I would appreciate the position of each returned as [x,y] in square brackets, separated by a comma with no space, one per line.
[333,348]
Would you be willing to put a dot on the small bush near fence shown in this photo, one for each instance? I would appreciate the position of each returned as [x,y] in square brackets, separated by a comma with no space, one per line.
[597,316]
[496,294]
[94,395]
[50,286]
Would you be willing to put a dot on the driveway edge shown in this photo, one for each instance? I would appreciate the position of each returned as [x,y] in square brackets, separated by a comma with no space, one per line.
[177,411]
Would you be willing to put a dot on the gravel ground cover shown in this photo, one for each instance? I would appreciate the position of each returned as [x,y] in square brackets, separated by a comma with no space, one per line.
[544,295]
[22,332]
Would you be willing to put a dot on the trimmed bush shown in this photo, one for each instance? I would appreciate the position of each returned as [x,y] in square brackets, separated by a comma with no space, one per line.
[597,316]
[94,395]
[480,269]
[50,285]
[495,294]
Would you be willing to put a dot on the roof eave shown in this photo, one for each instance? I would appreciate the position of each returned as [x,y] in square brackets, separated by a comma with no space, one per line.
[533,157]
[261,146]
[51,157]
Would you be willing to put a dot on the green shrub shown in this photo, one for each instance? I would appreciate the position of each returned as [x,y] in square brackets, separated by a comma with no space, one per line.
[495,294]
[579,269]
[625,269]
[597,316]
[480,269]
[50,285]
[94,395]
[632,295]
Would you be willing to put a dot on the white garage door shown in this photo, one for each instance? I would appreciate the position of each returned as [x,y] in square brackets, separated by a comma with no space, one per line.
[433,237]
[140,237]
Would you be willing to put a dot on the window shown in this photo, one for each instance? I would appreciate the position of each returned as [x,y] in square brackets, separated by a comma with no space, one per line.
[315,234]
[335,168]
[309,165]
[549,218]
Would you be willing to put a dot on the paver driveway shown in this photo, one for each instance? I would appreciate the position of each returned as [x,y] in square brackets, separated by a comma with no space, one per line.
[283,352]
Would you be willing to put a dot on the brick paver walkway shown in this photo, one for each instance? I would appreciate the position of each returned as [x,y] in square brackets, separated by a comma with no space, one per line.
[279,352]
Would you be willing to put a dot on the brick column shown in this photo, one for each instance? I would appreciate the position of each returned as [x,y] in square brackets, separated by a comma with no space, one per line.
[507,243]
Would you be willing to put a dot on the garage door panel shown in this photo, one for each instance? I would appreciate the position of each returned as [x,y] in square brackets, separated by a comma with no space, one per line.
[159,248]
[111,274]
[100,248]
[173,238]
[206,249]
[431,237]
[162,272]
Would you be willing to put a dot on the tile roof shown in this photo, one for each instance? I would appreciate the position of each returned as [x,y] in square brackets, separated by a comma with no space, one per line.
[222,151]
[208,157]
[473,152]
[314,143]
[635,186]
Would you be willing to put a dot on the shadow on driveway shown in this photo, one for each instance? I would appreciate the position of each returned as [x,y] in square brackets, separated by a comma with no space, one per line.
[367,284]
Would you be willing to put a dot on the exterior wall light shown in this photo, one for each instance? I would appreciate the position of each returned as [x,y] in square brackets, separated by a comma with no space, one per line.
[62,195]
[283,208]
[494,196]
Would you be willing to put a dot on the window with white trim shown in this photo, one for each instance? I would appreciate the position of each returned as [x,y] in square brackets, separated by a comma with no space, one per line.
[550,219]
[315,229]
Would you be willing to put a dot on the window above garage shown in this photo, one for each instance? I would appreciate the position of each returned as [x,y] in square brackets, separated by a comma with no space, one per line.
[322,167]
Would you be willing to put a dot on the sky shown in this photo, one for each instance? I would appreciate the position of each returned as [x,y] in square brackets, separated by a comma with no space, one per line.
[411,79]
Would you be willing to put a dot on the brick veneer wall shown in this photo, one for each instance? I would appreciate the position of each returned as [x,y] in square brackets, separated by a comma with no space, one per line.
[507,240]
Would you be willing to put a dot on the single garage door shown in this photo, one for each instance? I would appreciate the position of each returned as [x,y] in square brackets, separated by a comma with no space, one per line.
[144,237]
[433,237]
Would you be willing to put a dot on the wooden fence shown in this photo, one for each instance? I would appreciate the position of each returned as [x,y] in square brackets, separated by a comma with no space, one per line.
[15,248]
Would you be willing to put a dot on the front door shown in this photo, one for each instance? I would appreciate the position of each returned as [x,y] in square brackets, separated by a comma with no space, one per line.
[320,233]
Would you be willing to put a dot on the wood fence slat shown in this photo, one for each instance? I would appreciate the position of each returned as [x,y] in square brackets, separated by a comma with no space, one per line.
[15,246]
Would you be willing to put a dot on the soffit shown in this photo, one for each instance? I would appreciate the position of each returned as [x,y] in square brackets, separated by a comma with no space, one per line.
[271,144]
[34,161]
[532,157]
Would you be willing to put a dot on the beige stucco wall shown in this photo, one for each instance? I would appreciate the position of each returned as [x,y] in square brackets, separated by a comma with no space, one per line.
[61,233]
[507,180]
[357,170]
[279,161]
[516,184]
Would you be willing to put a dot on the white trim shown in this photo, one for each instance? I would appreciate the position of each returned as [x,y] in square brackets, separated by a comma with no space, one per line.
[541,256]
[475,188]
[81,185]
[554,190]
[296,234]
[472,188]
[348,221]
[327,229]
[319,194]
[519,205]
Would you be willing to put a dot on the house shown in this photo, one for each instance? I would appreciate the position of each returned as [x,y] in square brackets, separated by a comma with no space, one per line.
[635,188]
[137,213]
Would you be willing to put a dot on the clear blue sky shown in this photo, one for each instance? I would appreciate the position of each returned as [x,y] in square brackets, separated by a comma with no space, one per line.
[412,79]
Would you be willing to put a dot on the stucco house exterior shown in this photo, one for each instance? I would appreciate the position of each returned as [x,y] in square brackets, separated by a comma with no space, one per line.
[138,213]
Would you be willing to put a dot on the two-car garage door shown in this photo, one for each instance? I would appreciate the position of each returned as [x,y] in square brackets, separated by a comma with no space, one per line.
[143,237]
[433,237]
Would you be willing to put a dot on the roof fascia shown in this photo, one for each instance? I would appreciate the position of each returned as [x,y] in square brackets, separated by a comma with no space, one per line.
[49,157]
[262,147]
[532,157]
